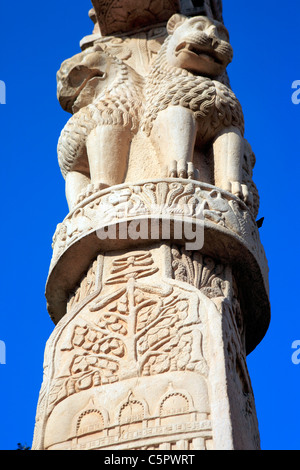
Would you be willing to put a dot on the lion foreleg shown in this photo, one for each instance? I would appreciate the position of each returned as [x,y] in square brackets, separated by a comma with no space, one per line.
[76,183]
[228,149]
[174,135]
[108,150]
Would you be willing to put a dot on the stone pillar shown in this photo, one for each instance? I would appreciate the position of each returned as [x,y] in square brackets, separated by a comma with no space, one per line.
[158,285]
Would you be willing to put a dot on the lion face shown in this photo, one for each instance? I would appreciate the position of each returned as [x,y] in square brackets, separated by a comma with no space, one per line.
[199,45]
[81,78]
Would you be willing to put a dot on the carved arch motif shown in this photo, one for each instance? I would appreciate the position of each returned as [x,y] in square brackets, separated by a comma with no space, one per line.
[132,410]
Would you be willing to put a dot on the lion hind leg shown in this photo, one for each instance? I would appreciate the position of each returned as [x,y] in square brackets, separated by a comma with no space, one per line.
[108,149]
[76,184]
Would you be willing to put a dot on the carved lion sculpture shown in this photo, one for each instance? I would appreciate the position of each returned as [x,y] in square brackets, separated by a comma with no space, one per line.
[189,106]
[105,96]
[184,106]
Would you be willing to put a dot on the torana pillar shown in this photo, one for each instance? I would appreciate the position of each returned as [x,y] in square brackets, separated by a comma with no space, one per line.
[158,285]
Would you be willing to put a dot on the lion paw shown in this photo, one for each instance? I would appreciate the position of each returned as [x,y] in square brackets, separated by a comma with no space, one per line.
[89,190]
[183,169]
[240,190]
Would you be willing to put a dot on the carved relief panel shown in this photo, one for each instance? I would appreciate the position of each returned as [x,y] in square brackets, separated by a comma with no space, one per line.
[134,327]
[136,316]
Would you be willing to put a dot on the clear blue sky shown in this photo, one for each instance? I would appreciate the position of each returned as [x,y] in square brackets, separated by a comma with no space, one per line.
[35,38]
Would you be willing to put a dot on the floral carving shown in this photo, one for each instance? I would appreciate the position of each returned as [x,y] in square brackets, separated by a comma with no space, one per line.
[200,271]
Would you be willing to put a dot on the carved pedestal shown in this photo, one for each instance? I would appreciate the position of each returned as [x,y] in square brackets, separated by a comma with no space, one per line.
[158,284]
[149,349]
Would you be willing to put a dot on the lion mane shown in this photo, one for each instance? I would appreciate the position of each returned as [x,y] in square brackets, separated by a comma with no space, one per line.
[212,101]
[119,104]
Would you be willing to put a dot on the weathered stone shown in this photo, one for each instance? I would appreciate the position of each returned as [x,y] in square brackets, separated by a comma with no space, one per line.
[158,283]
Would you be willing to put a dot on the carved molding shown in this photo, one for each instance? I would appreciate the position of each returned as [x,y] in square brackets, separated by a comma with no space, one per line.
[120,16]
[161,198]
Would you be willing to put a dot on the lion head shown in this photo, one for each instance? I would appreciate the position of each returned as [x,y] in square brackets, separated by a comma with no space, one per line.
[199,45]
[83,77]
